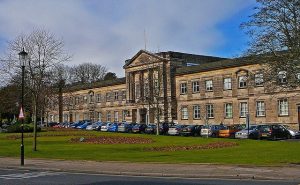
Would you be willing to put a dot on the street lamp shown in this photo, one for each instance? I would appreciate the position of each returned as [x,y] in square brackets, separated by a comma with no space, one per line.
[23,58]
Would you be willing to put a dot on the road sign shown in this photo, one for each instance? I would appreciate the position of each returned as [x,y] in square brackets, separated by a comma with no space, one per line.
[21,115]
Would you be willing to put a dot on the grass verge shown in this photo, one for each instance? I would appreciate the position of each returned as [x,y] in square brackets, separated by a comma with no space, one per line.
[57,145]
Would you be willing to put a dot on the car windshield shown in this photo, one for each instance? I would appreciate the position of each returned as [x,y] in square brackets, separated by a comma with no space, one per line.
[224,128]
[265,128]
[252,127]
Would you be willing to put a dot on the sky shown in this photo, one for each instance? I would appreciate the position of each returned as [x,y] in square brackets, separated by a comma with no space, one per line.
[108,32]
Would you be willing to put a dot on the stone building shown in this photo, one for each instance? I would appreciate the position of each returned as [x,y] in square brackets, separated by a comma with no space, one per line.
[181,88]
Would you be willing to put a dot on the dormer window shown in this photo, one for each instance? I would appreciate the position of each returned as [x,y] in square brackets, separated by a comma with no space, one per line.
[209,85]
[91,96]
[259,79]
[242,81]
[282,77]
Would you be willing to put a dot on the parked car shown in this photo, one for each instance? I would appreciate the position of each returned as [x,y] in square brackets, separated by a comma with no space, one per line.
[104,127]
[57,126]
[51,124]
[113,127]
[164,128]
[270,131]
[175,129]
[94,126]
[293,133]
[76,124]
[243,134]
[150,129]
[84,125]
[65,124]
[190,130]
[229,131]
[211,130]
[139,128]
[126,127]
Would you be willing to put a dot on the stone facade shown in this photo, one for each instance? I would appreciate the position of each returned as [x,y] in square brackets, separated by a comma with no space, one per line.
[230,104]
[183,88]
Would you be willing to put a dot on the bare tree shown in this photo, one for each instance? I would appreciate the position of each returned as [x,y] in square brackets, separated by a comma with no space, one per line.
[44,51]
[87,73]
[275,32]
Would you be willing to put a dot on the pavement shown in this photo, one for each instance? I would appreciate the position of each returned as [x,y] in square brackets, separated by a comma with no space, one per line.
[215,171]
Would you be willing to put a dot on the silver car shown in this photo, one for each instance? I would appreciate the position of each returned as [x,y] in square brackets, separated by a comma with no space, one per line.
[243,134]
[294,134]
[175,129]
[104,127]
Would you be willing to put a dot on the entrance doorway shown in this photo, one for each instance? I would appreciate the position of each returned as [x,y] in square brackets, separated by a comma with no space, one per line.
[71,117]
[134,115]
[143,115]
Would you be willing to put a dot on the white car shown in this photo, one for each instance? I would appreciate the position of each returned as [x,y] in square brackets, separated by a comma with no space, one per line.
[175,129]
[104,127]
[243,134]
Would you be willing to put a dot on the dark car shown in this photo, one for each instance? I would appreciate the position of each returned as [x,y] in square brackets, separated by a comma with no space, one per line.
[51,124]
[125,127]
[152,128]
[191,130]
[139,128]
[272,131]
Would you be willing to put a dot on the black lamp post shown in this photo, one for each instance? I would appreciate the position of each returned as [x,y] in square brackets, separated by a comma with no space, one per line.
[23,58]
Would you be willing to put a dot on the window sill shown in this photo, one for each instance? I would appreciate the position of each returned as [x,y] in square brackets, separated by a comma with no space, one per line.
[283,115]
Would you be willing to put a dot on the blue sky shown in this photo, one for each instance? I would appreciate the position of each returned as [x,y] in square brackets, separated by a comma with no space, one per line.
[108,32]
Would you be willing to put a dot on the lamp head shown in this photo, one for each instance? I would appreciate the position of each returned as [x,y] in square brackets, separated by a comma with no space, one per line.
[23,55]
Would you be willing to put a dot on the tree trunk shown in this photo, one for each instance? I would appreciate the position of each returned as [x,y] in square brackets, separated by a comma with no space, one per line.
[60,101]
[34,123]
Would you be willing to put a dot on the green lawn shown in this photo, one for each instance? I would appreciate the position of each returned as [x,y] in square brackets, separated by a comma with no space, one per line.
[56,145]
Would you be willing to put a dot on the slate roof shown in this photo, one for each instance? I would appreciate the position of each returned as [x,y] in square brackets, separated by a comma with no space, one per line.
[172,55]
[189,58]
[105,83]
[221,64]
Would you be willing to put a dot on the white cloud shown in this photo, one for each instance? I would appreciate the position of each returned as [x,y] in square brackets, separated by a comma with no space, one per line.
[109,32]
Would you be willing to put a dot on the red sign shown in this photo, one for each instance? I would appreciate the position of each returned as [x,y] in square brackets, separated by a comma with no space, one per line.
[21,115]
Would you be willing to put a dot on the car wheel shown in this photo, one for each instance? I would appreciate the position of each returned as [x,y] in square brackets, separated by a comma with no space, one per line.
[251,136]
[213,135]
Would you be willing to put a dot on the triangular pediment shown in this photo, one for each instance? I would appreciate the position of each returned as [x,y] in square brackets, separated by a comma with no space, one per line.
[142,58]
